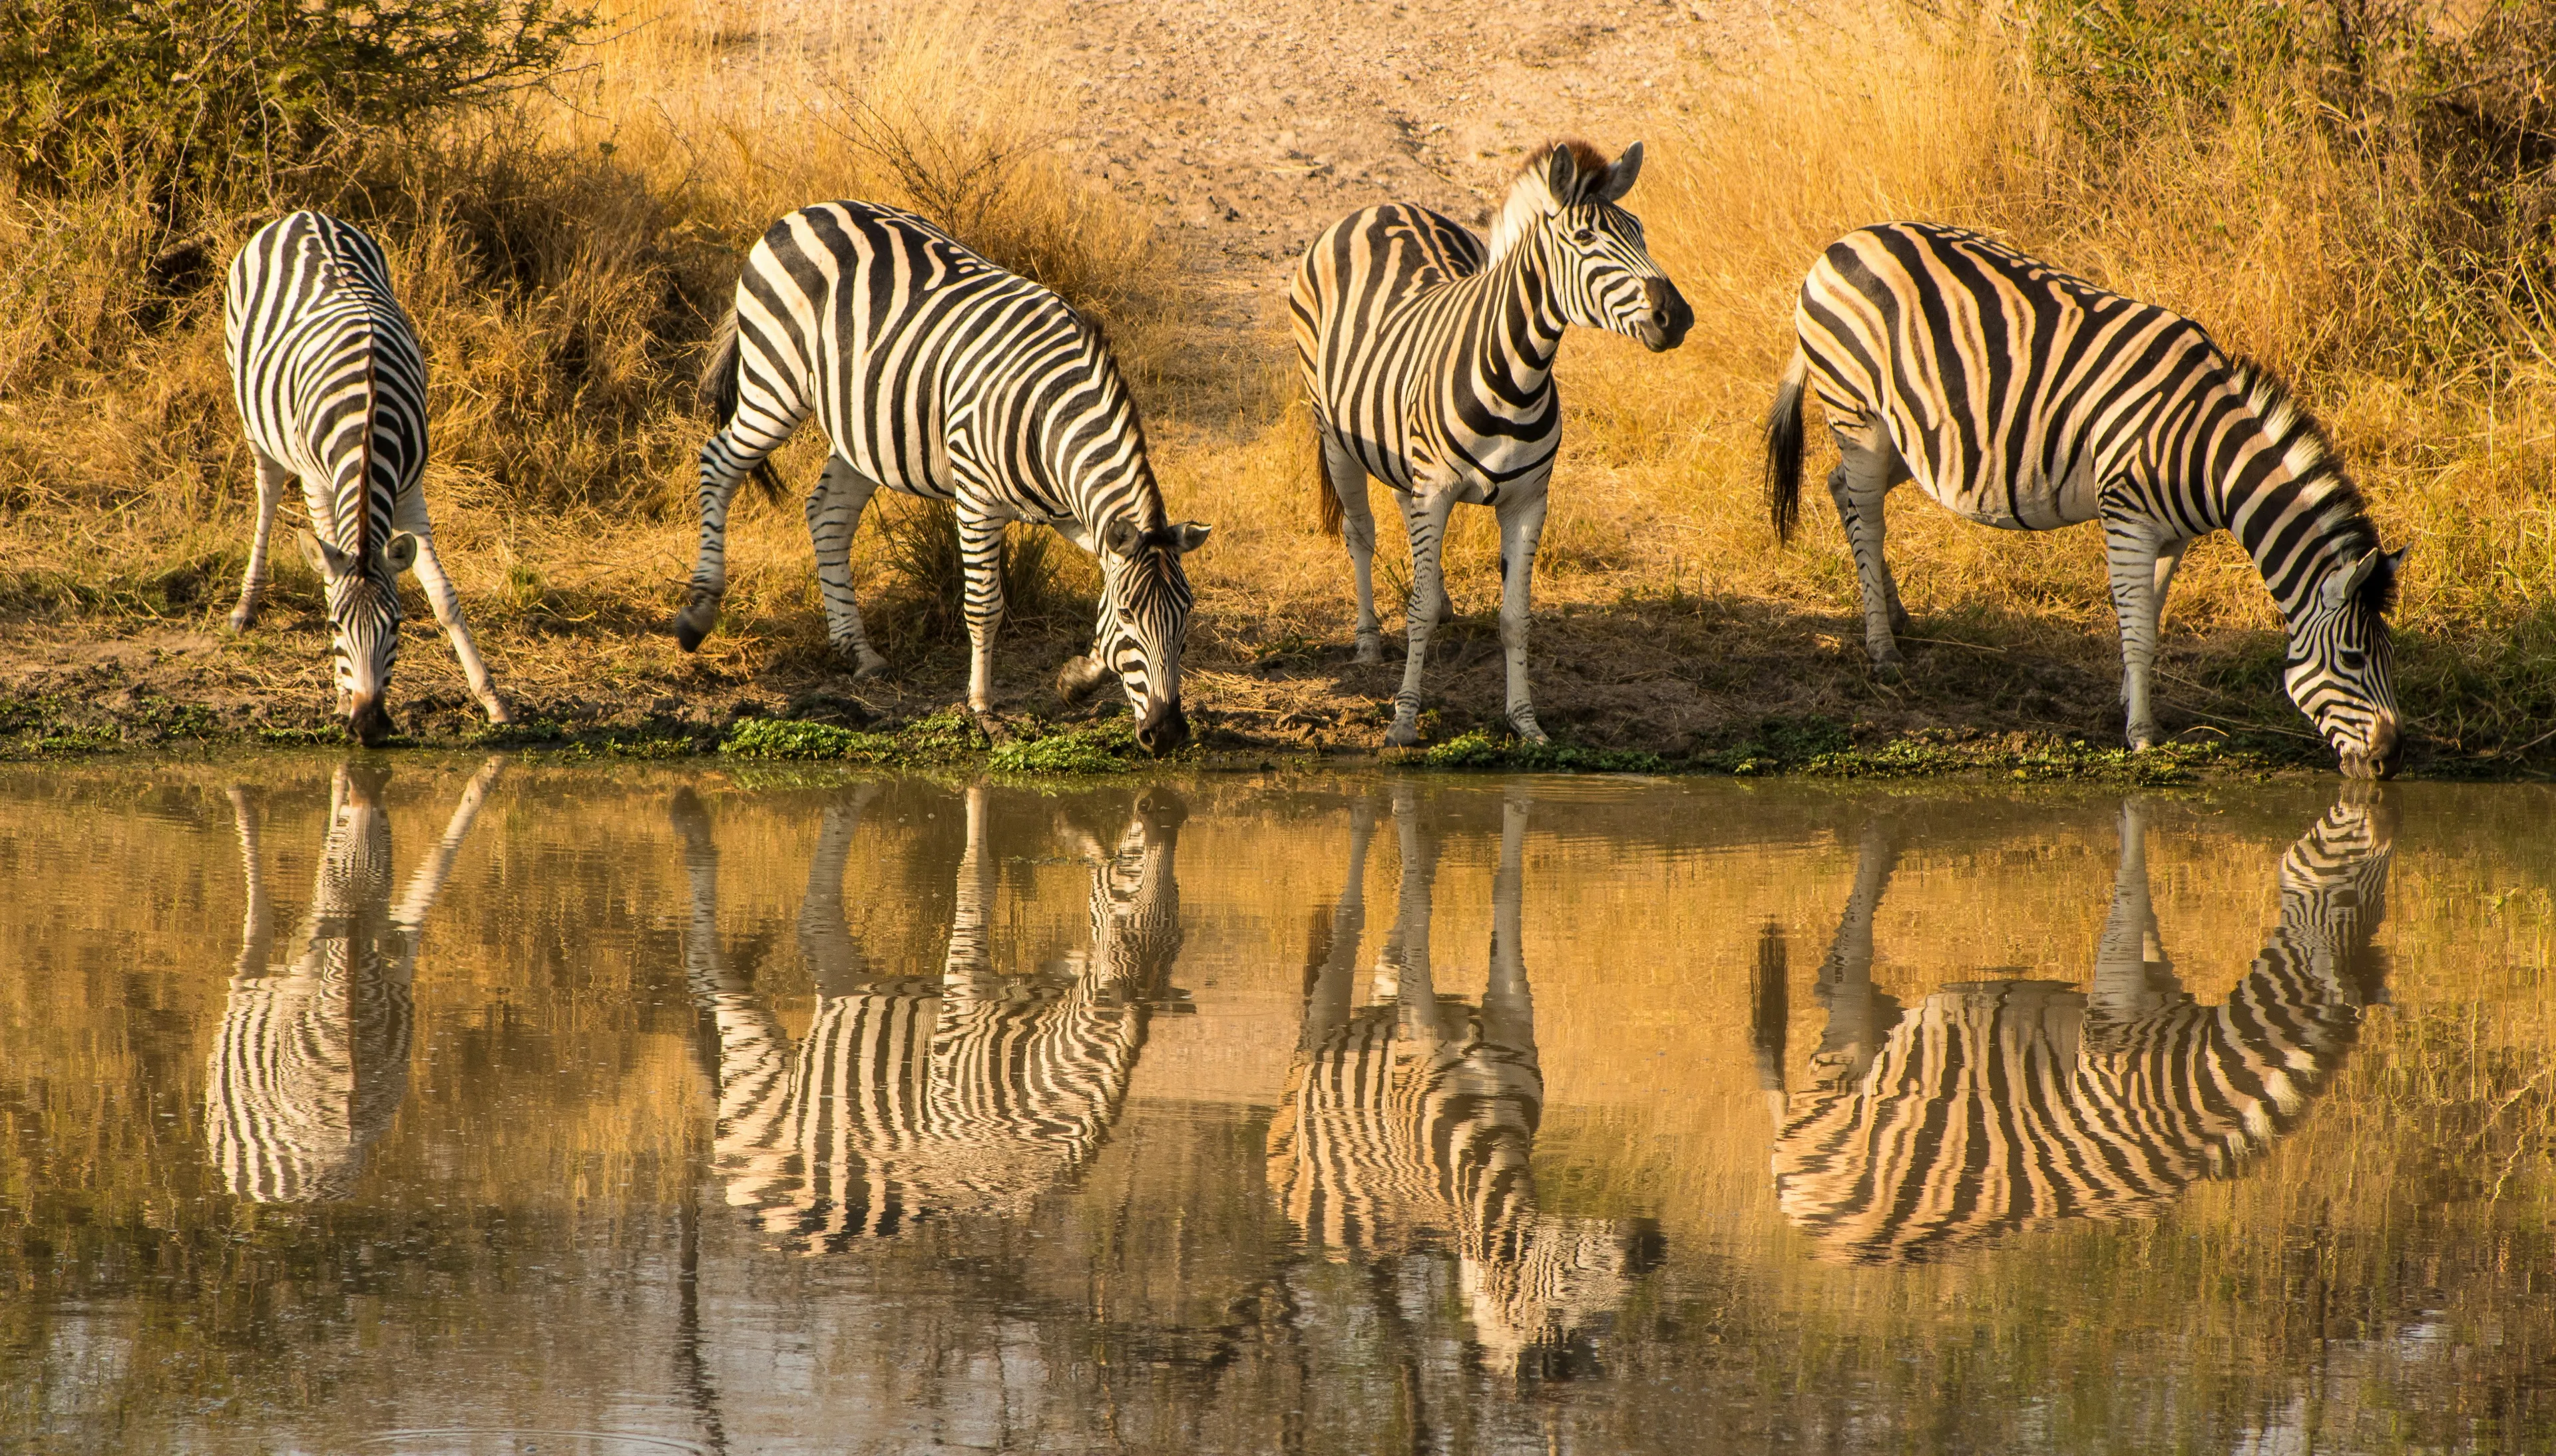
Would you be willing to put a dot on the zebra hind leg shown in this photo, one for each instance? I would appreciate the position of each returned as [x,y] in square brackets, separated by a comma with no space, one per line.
[1859,495]
[1426,522]
[1347,480]
[271,481]
[833,517]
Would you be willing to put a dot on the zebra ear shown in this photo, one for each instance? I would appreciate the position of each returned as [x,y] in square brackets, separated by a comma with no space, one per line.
[1189,535]
[1562,175]
[324,559]
[1619,177]
[2342,586]
[1121,537]
[400,552]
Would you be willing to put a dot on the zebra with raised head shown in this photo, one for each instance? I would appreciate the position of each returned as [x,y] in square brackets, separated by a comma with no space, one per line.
[2020,397]
[2002,1105]
[937,373]
[969,1092]
[331,390]
[312,1061]
[1410,1117]
[1428,361]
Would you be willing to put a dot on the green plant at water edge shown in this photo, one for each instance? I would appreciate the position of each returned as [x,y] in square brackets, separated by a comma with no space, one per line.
[776,738]
[1108,748]
[1478,749]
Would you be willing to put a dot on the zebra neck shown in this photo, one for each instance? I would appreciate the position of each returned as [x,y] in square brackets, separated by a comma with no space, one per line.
[2283,499]
[1525,319]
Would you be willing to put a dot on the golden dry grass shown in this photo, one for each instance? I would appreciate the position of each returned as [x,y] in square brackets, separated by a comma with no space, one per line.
[564,262]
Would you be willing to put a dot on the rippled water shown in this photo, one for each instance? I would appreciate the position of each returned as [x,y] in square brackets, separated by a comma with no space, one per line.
[427,1105]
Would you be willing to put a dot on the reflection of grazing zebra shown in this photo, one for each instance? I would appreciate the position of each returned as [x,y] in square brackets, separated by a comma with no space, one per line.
[2008,1104]
[966,1093]
[1408,1122]
[313,1061]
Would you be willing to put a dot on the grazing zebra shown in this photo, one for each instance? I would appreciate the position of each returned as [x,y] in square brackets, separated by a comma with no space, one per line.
[1428,361]
[935,372]
[966,1093]
[331,390]
[1413,1117]
[2000,1105]
[312,1063]
[2020,397]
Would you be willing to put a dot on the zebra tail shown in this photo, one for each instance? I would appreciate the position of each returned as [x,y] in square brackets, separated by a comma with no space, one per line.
[719,391]
[1784,449]
[1323,486]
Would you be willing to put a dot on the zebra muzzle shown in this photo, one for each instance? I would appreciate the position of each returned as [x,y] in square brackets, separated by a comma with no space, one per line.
[370,722]
[1164,730]
[1670,316]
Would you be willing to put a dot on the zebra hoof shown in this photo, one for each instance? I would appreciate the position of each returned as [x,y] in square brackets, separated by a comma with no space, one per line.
[686,634]
[1402,735]
[1527,732]
[995,730]
[1370,650]
[695,620]
[867,667]
[1891,667]
[243,618]
[498,713]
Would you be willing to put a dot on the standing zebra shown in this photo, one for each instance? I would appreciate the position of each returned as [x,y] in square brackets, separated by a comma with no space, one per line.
[2020,397]
[935,372]
[331,390]
[312,1063]
[1414,1115]
[1429,365]
[965,1093]
[1998,1105]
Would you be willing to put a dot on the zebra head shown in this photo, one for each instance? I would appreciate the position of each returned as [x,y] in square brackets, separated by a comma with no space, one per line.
[2338,670]
[1564,204]
[363,626]
[1144,622]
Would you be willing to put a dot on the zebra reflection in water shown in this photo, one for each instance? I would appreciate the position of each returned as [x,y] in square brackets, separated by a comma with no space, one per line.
[968,1092]
[1408,1121]
[312,1063]
[2001,1104]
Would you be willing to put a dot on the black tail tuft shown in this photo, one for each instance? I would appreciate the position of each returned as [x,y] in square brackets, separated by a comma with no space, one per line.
[1784,451]
[718,396]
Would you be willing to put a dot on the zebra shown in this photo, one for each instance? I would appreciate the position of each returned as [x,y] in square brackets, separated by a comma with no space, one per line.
[2000,1105]
[966,1093]
[2020,397]
[937,373]
[312,1061]
[1413,1116]
[330,386]
[1428,363]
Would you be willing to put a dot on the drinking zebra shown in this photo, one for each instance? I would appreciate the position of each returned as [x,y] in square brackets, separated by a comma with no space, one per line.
[1428,361]
[2000,1105]
[331,390]
[935,372]
[312,1061]
[2020,397]
[969,1092]
[1415,1115]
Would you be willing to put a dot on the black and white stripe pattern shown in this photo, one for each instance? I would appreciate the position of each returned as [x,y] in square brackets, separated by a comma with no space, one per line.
[935,372]
[1411,1119]
[332,390]
[969,1093]
[1428,361]
[2020,397]
[312,1061]
[1997,1106]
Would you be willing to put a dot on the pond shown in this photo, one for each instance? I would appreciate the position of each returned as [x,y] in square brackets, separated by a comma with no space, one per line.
[450,1104]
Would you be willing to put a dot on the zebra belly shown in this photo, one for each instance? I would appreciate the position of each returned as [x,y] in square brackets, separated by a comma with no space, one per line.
[2035,502]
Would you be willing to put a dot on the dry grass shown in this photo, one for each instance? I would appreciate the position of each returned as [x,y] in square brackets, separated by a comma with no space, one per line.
[564,262]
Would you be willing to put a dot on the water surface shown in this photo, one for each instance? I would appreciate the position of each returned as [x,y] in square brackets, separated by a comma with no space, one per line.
[414,1104]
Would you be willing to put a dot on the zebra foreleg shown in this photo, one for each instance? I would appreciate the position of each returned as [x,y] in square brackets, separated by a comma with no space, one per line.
[1858,494]
[1521,529]
[411,515]
[271,481]
[980,555]
[725,462]
[1347,480]
[833,517]
[2141,568]
[1426,522]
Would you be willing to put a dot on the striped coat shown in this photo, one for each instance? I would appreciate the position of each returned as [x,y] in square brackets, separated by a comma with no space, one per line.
[2020,397]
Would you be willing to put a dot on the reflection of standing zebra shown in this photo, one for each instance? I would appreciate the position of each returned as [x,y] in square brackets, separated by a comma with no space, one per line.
[312,1063]
[968,1093]
[935,372]
[1409,1121]
[331,389]
[2000,1105]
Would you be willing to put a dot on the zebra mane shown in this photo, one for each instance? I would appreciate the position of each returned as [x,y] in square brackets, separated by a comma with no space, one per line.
[1531,195]
[2315,465]
[1096,339]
